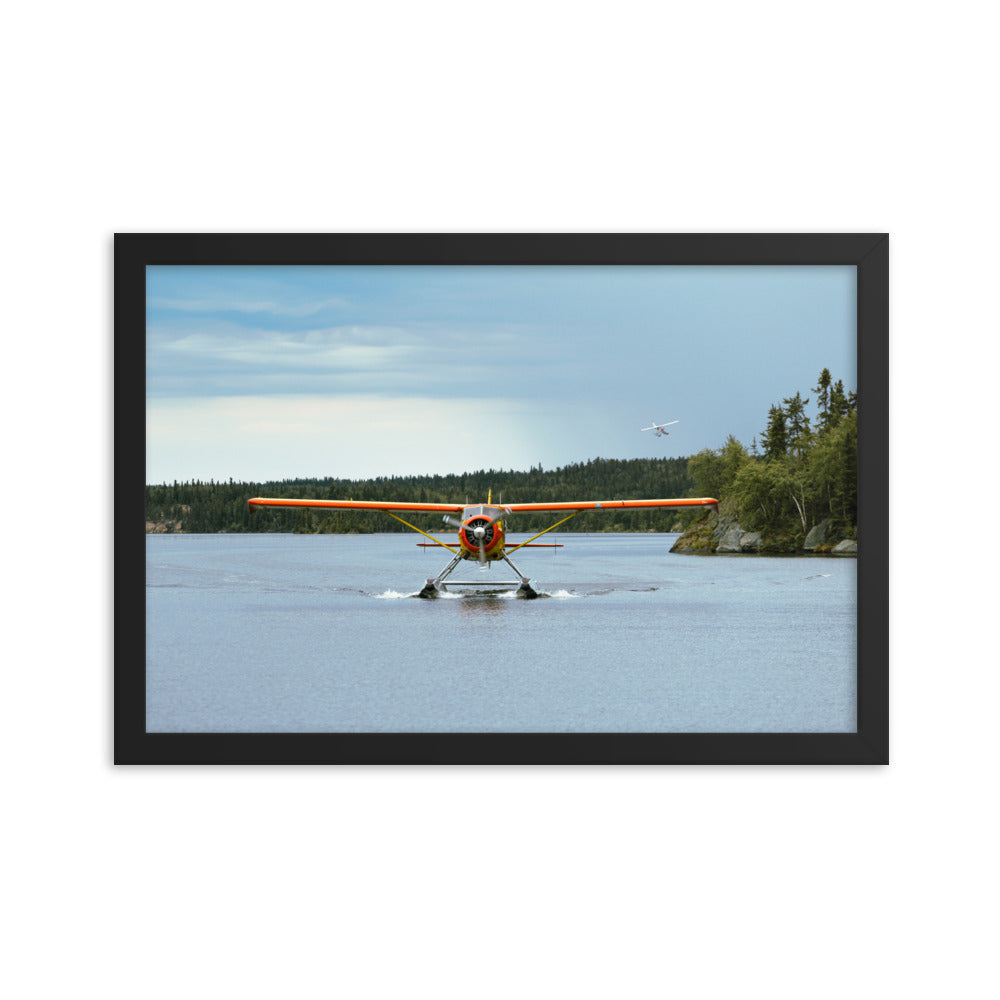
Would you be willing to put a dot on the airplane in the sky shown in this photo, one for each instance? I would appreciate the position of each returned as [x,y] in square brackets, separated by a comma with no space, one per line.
[659,428]
[481,529]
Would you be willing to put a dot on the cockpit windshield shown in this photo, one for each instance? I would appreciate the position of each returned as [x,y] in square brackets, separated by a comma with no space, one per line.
[481,510]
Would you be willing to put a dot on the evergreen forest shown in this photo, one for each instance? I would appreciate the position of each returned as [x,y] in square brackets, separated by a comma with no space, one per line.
[803,471]
[214,507]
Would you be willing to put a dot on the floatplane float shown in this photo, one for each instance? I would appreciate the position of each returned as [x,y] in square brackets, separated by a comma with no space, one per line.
[482,532]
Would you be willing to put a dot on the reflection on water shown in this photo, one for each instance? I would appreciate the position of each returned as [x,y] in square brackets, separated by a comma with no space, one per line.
[485,605]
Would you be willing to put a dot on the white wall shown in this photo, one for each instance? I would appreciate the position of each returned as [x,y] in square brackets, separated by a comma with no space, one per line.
[497,882]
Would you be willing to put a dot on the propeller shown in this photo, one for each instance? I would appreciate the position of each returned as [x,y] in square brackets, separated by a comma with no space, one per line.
[478,532]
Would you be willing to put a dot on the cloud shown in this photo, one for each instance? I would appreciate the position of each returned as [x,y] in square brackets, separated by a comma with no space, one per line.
[215,357]
[236,303]
[316,352]
[219,347]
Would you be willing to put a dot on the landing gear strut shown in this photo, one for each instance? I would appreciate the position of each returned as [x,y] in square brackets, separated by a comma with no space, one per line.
[440,583]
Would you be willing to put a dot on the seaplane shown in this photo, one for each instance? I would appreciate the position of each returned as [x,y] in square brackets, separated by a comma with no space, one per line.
[660,429]
[481,530]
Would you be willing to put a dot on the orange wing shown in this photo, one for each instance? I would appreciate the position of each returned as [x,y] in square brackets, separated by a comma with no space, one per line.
[355,504]
[612,504]
[457,507]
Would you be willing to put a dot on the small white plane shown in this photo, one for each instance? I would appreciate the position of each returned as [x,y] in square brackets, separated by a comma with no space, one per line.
[659,428]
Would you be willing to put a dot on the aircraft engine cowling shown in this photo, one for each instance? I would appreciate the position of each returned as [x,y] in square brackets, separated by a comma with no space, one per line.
[478,530]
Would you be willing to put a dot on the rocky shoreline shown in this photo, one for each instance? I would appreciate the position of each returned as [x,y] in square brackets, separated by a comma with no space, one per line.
[721,534]
[164,527]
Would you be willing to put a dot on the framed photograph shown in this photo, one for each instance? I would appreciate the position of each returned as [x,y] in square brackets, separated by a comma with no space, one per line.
[501,498]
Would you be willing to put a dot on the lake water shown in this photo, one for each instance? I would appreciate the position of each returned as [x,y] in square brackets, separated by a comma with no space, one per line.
[321,633]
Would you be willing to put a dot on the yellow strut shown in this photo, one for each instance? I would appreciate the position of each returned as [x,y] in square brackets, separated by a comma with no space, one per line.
[431,537]
[540,533]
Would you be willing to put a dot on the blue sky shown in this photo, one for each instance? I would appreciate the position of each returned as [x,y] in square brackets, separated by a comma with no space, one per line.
[275,372]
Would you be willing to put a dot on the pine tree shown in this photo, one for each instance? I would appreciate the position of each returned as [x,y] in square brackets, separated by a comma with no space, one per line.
[798,423]
[839,406]
[775,438]
[822,390]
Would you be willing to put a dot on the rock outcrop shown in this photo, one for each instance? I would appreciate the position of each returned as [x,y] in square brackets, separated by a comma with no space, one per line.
[722,534]
[735,539]
[167,525]
[817,537]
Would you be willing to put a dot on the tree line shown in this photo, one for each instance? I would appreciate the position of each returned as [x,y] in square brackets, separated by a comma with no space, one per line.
[804,471]
[210,507]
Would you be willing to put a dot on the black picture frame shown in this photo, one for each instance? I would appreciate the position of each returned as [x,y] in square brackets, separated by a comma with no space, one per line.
[869,253]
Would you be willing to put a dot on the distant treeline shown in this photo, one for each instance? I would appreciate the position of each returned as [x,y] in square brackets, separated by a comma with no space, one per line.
[199,507]
[803,471]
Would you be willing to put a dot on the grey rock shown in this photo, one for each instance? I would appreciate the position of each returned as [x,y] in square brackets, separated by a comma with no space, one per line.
[817,536]
[730,541]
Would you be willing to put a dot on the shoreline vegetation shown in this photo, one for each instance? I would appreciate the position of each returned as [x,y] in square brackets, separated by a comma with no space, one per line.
[794,492]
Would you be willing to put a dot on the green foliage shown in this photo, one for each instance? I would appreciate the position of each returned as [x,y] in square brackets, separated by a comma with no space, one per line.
[822,390]
[834,473]
[797,423]
[714,472]
[841,404]
[775,437]
[804,476]
[761,493]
